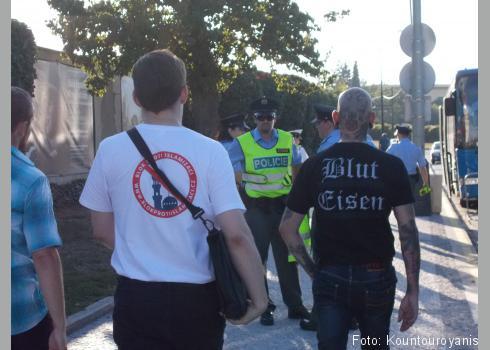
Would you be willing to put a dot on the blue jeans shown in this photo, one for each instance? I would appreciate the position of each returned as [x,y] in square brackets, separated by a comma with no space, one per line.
[343,291]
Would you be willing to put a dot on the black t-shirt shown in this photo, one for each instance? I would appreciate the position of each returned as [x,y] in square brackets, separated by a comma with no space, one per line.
[353,188]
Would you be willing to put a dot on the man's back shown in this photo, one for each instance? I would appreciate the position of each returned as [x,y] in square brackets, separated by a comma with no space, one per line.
[409,153]
[156,237]
[353,188]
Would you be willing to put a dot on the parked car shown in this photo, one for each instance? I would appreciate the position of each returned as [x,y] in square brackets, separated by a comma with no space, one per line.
[435,152]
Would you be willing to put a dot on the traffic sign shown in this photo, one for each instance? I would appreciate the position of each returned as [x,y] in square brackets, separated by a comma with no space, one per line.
[428,37]
[406,75]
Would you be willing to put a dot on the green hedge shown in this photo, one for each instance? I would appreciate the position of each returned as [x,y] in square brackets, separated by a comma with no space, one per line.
[23,56]
[431,132]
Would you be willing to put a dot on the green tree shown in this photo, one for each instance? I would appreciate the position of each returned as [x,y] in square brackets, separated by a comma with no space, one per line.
[393,105]
[218,40]
[23,56]
[355,81]
[342,77]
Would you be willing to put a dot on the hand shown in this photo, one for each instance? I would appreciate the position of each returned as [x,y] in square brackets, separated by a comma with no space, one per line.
[57,339]
[252,313]
[409,310]
[424,190]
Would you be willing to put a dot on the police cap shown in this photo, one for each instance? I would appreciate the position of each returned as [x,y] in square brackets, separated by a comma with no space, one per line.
[235,120]
[403,129]
[322,112]
[264,105]
[296,132]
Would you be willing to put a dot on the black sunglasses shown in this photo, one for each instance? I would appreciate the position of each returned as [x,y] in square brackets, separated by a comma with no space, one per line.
[262,117]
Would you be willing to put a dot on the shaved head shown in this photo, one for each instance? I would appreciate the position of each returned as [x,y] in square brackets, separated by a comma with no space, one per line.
[355,111]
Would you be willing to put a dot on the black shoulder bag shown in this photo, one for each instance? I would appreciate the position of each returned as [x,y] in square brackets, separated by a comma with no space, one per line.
[231,290]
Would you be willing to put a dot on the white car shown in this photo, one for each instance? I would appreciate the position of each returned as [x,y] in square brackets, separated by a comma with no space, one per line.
[435,152]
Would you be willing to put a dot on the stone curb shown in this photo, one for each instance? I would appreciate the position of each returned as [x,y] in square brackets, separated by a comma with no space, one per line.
[92,312]
[472,233]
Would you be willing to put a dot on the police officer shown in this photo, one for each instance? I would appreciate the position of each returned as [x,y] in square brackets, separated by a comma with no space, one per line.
[412,157]
[264,160]
[297,141]
[384,142]
[327,129]
[304,228]
[232,126]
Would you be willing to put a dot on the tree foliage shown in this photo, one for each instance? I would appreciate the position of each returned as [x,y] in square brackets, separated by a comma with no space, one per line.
[217,39]
[23,56]
[355,81]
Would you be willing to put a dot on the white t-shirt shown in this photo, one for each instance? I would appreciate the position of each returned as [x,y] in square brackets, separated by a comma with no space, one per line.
[156,238]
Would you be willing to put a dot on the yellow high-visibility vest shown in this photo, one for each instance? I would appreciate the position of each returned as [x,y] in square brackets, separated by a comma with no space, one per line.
[305,233]
[267,171]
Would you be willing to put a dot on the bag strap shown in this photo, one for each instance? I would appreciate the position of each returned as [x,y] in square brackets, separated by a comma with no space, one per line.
[142,147]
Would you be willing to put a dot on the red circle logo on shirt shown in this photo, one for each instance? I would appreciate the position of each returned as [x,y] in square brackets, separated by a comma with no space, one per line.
[153,195]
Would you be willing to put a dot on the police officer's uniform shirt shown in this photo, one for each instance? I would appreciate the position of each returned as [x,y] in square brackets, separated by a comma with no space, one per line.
[227,144]
[156,238]
[238,159]
[353,188]
[334,137]
[303,153]
[409,153]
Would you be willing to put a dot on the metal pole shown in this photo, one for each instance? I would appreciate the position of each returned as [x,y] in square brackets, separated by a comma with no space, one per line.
[392,112]
[418,77]
[382,109]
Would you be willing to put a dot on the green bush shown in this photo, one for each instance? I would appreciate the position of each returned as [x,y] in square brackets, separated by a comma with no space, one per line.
[23,56]
[431,132]
[375,132]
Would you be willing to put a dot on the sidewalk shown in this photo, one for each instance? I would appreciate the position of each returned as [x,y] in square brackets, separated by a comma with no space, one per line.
[448,300]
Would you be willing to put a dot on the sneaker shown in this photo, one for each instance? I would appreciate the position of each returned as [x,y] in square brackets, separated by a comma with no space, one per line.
[267,318]
[307,325]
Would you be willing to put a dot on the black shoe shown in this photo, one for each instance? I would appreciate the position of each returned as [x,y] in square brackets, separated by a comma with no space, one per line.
[308,325]
[353,324]
[298,313]
[267,318]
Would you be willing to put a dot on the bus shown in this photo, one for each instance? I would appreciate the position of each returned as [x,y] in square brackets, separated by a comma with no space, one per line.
[458,121]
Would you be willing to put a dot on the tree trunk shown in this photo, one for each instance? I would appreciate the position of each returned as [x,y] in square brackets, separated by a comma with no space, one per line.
[204,106]
[203,70]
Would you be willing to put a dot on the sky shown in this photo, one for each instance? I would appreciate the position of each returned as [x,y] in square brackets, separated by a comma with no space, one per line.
[370,34]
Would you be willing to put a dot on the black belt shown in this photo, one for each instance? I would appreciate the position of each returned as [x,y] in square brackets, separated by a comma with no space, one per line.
[374,265]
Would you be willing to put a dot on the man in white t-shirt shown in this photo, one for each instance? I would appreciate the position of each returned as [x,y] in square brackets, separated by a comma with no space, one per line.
[166,296]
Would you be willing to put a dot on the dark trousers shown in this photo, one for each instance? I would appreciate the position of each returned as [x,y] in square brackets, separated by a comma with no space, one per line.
[341,292]
[264,224]
[165,315]
[36,338]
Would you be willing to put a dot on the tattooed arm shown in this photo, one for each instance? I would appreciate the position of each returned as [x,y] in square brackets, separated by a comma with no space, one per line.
[409,241]
[289,231]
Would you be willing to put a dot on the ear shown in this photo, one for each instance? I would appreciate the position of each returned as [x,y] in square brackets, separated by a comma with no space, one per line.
[20,130]
[336,117]
[135,99]
[184,94]
[372,117]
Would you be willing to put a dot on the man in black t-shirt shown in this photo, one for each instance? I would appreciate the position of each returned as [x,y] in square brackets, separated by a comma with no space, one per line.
[354,187]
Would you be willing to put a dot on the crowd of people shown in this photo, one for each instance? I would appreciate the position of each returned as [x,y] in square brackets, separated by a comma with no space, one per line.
[327,213]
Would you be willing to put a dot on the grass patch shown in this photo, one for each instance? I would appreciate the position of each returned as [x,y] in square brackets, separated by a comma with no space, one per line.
[88,275]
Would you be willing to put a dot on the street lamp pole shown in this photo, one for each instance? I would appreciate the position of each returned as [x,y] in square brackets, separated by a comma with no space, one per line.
[382,109]
[418,78]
